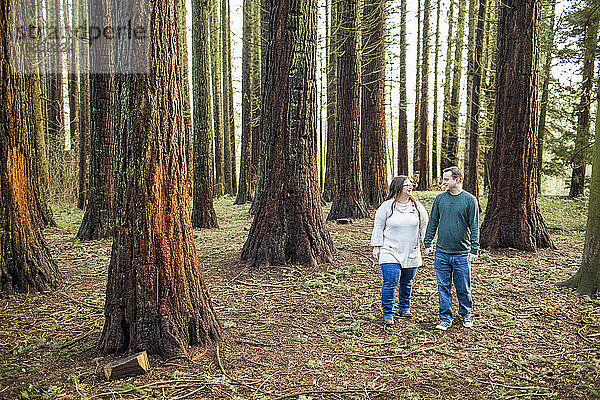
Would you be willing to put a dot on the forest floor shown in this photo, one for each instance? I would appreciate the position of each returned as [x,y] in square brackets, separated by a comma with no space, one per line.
[316,333]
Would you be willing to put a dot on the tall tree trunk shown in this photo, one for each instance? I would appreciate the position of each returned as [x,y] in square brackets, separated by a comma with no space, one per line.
[454,106]
[548,46]
[98,220]
[417,96]
[288,226]
[470,71]
[185,79]
[55,116]
[228,117]
[348,201]
[84,109]
[332,50]
[402,108]
[435,136]
[217,86]
[513,218]
[587,278]
[373,129]
[444,160]
[489,91]
[25,262]
[244,193]
[471,182]
[582,140]
[203,212]
[156,298]
[422,145]
[74,114]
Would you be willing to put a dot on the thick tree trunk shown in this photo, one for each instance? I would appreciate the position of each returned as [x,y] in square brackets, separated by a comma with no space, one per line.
[156,299]
[582,141]
[98,220]
[471,170]
[513,218]
[489,91]
[55,106]
[444,161]
[217,79]
[373,129]
[451,156]
[288,226]
[402,112]
[332,50]
[203,212]
[422,145]
[548,50]
[348,202]
[434,142]
[84,111]
[25,262]
[587,278]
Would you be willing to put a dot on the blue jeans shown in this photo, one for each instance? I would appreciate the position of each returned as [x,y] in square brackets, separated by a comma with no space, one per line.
[393,275]
[457,268]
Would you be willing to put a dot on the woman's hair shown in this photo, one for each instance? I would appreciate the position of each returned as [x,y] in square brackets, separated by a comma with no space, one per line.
[395,189]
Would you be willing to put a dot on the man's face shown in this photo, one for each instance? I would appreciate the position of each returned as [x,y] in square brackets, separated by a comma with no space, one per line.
[448,181]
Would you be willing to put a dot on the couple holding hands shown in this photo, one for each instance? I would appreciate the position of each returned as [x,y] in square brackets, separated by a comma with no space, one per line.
[399,223]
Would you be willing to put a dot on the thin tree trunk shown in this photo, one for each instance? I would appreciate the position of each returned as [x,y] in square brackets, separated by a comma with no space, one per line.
[489,81]
[416,138]
[228,117]
[444,160]
[422,146]
[187,108]
[84,109]
[332,50]
[402,109]
[373,129]
[217,86]
[513,218]
[288,226]
[74,114]
[470,71]
[434,142]
[348,201]
[156,298]
[25,262]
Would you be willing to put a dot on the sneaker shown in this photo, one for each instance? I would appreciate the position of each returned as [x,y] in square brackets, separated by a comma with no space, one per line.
[467,322]
[388,321]
[405,313]
[442,326]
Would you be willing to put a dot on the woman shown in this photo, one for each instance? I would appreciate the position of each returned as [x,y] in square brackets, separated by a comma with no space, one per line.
[399,221]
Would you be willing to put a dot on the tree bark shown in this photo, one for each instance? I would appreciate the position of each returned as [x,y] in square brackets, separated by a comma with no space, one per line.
[422,145]
[582,141]
[187,107]
[417,96]
[513,218]
[74,113]
[402,112]
[25,262]
[156,298]
[217,83]
[444,161]
[84,111]
[98,220]
[348,201]
[288,226]
[332,50]
[203,212]
[435,136]
[373,129]
[228,117]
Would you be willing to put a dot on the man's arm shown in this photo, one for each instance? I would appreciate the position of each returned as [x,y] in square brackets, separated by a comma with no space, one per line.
[474,227]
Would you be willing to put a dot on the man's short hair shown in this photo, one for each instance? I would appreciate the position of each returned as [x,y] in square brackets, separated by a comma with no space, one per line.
[456,172]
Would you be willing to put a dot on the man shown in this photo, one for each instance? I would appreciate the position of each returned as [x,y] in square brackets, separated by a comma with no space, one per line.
[455,216]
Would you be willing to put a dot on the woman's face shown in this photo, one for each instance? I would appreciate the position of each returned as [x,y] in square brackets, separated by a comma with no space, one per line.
[407,187]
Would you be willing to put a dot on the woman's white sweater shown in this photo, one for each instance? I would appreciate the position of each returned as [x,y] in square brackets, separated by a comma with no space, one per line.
[397,233]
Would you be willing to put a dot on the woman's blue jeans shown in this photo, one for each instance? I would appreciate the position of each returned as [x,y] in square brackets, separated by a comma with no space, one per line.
[396,277]
[457,268]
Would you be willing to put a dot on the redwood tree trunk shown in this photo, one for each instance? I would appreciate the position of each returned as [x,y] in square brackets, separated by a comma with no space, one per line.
[402,112]
[156,299]
[330,168]
[288,226]
[422,144]
[513,218]
[203,212]
[444,161]
[98,220]
[435,136]
[373,149]
[217,79]
[25,262]
[348,202]
[84,111]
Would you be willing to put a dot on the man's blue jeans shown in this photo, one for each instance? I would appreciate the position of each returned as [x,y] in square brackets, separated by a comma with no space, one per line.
[457,268]
[396,277]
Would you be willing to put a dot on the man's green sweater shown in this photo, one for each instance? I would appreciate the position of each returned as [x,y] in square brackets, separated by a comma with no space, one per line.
[456,219]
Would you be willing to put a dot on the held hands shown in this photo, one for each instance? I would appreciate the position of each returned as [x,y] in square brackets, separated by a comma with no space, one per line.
[429,251]
[472,257]
[376,252]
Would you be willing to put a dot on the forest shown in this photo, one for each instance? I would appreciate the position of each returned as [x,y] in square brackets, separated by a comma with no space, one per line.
[188,191]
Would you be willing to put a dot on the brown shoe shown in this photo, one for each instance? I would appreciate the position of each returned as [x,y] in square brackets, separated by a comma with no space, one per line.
[388,321]
[405,314]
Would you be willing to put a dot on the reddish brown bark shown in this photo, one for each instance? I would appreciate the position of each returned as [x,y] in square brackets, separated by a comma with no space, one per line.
[513,218]
[422,144]
[156,299]
[288,226]
[330,168]
[402,112]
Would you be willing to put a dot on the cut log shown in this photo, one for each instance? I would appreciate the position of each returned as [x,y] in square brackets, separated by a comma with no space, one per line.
[132,365]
